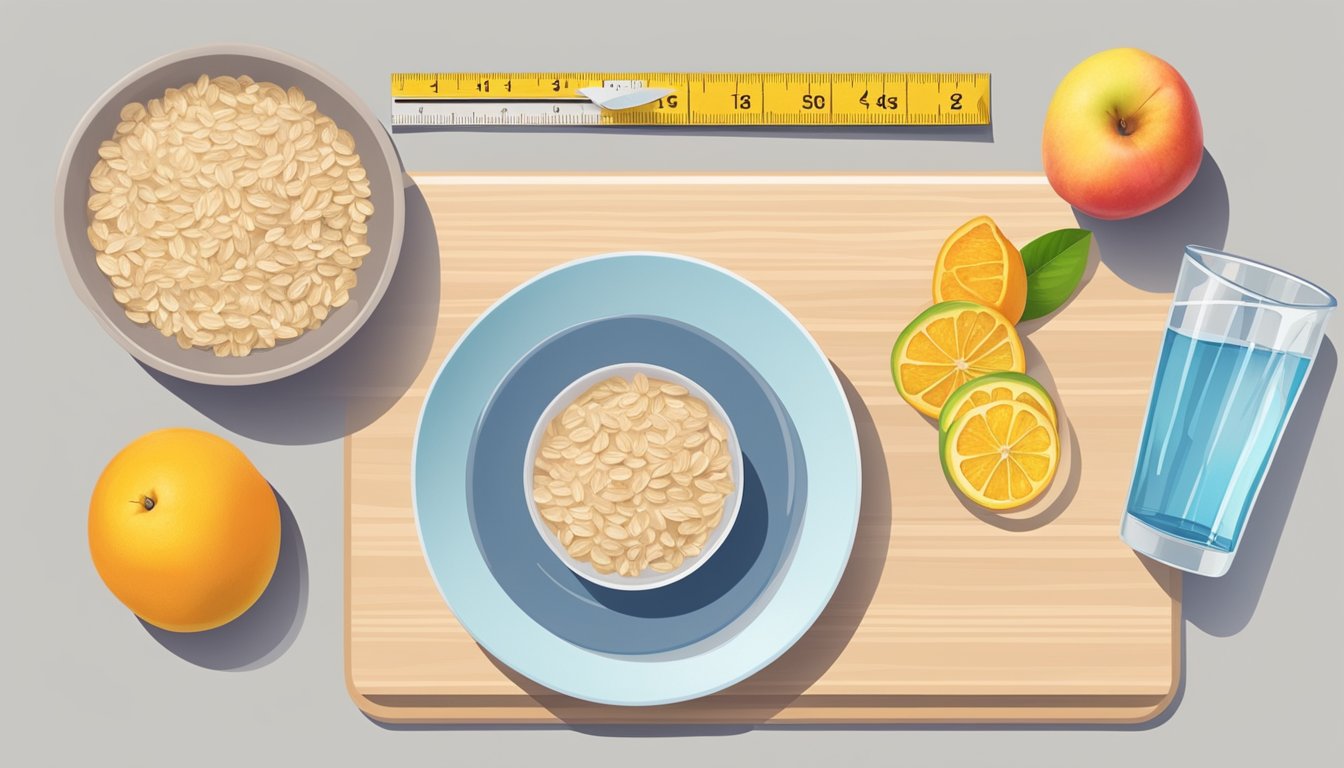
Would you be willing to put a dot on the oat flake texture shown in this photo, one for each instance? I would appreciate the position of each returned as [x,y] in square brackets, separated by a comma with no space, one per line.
[633,475]
[229,214]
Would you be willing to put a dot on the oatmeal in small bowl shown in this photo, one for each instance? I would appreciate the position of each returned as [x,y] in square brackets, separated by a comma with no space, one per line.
[633,476]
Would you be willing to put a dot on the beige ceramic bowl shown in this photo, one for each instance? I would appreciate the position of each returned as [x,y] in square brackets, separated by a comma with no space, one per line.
[386,183]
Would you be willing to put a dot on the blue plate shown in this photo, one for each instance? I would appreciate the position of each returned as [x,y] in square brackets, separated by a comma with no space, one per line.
[679,614]
[770,342]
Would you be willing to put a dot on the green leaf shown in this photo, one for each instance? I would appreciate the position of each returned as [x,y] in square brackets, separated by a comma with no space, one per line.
[1055,263]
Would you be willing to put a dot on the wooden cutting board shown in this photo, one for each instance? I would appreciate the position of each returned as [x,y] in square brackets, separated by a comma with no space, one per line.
[945,613]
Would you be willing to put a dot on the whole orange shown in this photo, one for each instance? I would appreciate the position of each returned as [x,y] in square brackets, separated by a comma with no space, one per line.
[184,530]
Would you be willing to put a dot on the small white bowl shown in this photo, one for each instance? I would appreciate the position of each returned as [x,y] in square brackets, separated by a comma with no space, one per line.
[731,504]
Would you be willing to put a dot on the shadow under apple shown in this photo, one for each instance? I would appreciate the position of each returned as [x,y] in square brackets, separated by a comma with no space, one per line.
[1145,251]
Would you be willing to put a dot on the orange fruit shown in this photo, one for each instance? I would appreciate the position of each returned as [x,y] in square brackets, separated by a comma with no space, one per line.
[184,530]
[946,346]
[977,263]
[1002,454]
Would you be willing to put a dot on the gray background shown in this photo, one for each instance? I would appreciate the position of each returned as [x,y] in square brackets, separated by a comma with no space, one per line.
[85,681]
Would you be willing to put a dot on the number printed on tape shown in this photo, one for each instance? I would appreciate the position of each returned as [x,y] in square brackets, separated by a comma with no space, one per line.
[798,98]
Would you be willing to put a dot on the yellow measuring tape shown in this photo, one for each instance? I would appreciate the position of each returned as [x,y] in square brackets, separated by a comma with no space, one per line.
[696,98]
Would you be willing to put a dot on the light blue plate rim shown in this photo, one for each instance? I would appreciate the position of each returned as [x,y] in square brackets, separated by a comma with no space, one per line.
[760,330]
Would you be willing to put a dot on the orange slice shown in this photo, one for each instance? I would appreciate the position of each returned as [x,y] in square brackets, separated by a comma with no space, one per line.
[977,263]
[1002,454]
[946,346]
[994,387]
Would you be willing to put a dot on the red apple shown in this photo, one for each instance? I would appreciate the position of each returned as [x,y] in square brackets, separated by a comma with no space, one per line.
[1122,135]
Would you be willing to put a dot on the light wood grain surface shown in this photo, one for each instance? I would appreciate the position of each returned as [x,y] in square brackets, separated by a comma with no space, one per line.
[945,613]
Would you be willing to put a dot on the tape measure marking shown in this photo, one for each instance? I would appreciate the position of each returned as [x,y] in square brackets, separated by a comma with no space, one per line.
[714,98]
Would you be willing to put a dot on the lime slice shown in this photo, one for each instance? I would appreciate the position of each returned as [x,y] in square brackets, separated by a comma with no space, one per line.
[947,345]
[994,387]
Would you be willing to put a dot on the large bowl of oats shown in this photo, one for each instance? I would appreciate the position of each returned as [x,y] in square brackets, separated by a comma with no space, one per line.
[230,214]
[634,476]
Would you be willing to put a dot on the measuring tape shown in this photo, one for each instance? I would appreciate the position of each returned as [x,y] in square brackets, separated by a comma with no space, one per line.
[692,98]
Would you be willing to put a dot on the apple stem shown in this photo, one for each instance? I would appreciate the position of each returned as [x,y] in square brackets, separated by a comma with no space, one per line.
[149,503]
[1123,127]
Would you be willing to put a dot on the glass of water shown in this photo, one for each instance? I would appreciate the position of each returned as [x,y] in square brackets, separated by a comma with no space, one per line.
[1240,340]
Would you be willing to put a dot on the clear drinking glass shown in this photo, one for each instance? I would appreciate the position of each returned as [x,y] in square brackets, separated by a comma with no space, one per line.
[1239,343]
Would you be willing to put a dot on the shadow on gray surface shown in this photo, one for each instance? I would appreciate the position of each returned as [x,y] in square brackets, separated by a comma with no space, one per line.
[1157,721]
[1145,251]
[267,629]
[807,660]
[359,381]
[971,133]
[1225,605]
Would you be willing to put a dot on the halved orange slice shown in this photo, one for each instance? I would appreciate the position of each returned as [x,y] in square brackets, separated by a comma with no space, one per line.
[1002,454]
[977,263]
[946,346]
